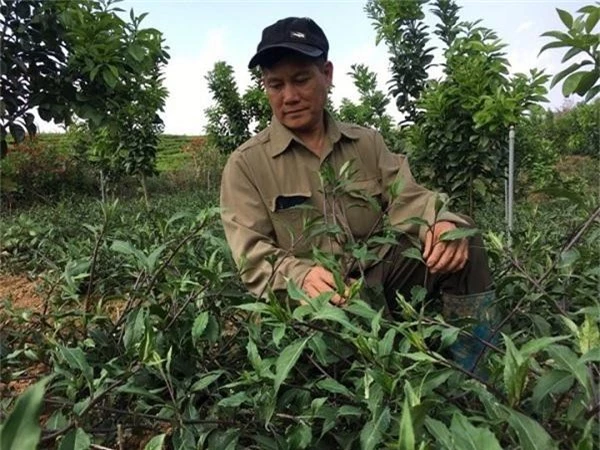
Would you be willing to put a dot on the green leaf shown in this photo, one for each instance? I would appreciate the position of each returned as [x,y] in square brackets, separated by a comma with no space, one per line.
[134,329]
[335,387]
[458,233]
[334,314]
[75,359]
[440,433]
[362,309]
[75,440]
[563,193]
[56,421]
[553,382]
[21,430]
[559,76]
[592,20]
[123,247]
[566,360]
[571,53]
[592,356]
[287,360]
[589,335]
[530,433]
[468,437]
[588,79]
[536,345]
[515,371]
[406,434]
[136,52]
[206,380]
[553,45]
[109,78]
[571,82]
[413,253]
[566,18]
[156,443]
[278,334]
[258,307]
[300,436]
[199,326]
[372,432]
[296,293]
[235,400]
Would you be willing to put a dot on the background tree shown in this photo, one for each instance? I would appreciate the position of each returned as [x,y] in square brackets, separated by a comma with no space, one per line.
[33,64]
[459,142]
[228,122]
[81,60]
[370,111]
[256,103]
[400,25]
[581,38]
[233,118]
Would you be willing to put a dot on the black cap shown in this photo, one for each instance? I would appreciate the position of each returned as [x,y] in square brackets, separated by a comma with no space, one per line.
[299,34]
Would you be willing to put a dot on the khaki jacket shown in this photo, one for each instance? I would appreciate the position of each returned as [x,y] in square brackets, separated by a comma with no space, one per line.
[271,188]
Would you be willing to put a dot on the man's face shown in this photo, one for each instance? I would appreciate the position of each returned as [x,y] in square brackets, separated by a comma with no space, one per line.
[297,91]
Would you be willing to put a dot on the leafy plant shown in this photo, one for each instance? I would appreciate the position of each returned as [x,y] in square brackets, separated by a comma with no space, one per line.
[459,142]
[581,40]
[370,111]
[400,25]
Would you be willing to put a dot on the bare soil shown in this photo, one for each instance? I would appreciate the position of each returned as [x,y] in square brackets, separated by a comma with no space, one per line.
[21,292]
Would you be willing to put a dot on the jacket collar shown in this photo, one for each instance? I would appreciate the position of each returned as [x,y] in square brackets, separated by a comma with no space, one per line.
[281,137]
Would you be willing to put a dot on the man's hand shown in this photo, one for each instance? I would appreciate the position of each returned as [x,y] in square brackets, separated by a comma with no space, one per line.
[319,280]
[444,256]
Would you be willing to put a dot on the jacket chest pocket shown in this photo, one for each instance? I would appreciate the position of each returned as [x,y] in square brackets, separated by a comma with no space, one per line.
[363,205]
[289,212]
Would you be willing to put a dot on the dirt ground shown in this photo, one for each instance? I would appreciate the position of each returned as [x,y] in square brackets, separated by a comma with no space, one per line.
[22,292]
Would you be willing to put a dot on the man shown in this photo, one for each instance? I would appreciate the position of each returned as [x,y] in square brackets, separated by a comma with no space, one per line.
[272,184]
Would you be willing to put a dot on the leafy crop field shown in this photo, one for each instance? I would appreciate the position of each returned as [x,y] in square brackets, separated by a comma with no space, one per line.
[170,151]
[142,335]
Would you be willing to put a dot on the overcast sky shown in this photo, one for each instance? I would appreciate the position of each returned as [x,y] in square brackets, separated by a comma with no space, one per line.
[200,33]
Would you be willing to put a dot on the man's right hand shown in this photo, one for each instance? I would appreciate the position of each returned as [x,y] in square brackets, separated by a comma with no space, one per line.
[319,280]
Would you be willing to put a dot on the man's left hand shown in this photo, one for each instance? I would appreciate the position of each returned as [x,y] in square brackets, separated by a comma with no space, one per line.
[444,256]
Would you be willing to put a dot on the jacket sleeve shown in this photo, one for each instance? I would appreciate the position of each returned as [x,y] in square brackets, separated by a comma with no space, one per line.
[413,200]
[250,234]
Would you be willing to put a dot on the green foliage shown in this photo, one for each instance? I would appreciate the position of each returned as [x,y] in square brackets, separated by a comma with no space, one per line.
[447,12]
[21,430]
[400,25]
[575,130]
[227,123]
[147,323]
[32,32]
[37,170]
[96,66]
[370,111]
[460,140]
[581,39]
[234,117]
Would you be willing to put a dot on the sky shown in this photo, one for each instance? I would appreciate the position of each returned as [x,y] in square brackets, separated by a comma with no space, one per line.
[202,32]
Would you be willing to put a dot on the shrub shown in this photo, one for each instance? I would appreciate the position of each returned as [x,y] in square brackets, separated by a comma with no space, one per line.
[34,170]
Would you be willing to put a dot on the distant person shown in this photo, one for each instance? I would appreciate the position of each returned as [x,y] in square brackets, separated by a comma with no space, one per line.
[271,174]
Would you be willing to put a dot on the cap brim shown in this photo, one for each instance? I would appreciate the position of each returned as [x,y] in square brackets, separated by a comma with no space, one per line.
[307,50]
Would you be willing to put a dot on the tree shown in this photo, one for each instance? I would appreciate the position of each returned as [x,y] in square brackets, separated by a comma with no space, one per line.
[400,25]
[33,64]
[101,69]
[370,111]
[227,126]
[460,139]
[233,118]
[580,38]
